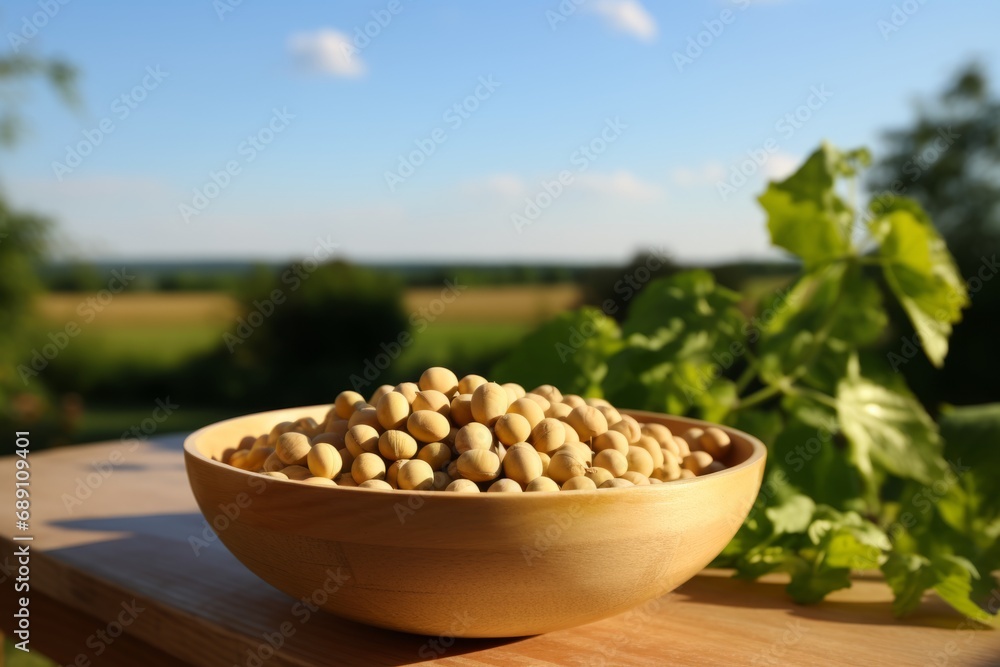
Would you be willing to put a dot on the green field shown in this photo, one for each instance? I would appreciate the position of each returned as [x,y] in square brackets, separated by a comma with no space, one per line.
[452,344]
[157,332]
[155,347]
[458,344]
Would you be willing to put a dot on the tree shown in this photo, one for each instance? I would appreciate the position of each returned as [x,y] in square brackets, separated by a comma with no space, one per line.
[15,73]
[949,161]
[22,243]
[309,328]
[22,235]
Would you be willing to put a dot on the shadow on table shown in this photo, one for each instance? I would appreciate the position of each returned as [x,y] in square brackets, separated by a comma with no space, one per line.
[729,592]
[167,441]
[171,560]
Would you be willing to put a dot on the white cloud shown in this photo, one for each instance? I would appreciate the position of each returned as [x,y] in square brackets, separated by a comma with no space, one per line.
[777,167]
[707,174]
[617,185]
[621,184]
[628,16]
[326,51]
[505,185]
[780,166]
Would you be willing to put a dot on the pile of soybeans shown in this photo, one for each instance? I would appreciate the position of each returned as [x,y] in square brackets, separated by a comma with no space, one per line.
[469,435]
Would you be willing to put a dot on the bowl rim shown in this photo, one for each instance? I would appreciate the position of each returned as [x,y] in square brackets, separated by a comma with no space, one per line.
[757,457]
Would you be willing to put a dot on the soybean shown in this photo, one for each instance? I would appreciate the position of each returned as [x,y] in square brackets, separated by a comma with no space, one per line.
[375,484]
[463,486]
[292,448]
[392,410]
[396,445]
[504,486]
[437,454]
[471,435]
[368,466]
[587,421]
[439,379]
[549,435]
[324,460]
[479,465]
[433,400]
[639,461]
[565,465]
[512,428]
[415,475]
[542,484]
[489,403]
[522,464]
[579,484]
[428,426]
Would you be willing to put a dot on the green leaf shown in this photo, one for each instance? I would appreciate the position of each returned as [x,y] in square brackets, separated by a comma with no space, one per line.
[686,303]
[837,543]
[667,380]
[971,504]
[812,460]
[921,273]
[805,215]
[637,377]
[953,582]
[860,317]
[766,425]
[839,297]
[827,519]
[763,560]
[810,584]
[793,515]
[844,549]
[951,577]
[827,313]
[888,429]
[908,575]
[849,540]
[680,337]
[571,352]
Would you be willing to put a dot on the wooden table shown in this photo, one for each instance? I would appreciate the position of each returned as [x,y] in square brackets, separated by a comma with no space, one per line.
[113,525]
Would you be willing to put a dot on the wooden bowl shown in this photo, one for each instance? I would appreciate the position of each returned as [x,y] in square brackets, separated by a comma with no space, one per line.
[474,565]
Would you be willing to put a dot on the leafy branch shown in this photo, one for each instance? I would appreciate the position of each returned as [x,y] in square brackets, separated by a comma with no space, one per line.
[851,451]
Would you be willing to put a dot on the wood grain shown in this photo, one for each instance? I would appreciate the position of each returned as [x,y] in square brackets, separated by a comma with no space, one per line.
[130,540]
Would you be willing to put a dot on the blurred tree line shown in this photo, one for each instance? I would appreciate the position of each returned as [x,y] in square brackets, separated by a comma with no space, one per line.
[81,276]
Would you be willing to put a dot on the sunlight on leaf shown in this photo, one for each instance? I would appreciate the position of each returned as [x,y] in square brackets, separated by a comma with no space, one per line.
[921,273]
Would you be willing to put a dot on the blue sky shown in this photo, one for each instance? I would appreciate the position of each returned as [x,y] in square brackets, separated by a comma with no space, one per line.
[311,120]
